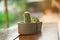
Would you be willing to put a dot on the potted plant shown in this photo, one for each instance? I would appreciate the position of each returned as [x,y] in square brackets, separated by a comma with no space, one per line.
[27,27]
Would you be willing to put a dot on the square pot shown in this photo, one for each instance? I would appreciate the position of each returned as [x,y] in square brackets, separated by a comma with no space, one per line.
[26,28]
[39,27]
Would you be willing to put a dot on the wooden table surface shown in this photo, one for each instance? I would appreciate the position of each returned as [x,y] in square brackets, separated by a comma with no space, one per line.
[30,37]
[49,32]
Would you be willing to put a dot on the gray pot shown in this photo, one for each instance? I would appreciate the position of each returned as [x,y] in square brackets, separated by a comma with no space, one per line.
[27,28]
[39,26]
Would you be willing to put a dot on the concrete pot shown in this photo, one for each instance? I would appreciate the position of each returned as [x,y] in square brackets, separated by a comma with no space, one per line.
[39,26]
[27,28]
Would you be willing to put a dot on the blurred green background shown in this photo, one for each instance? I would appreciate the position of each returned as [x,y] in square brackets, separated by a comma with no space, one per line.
[16,9]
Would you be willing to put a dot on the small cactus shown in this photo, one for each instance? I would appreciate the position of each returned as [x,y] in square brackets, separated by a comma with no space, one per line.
[34,19]
[27,18]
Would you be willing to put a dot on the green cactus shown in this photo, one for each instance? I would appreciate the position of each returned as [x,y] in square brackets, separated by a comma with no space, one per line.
[34,19]
[27,18]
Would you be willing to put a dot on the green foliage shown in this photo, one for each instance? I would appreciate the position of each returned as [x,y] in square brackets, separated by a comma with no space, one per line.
[12,17]
[2,20]
[2,17]
[28,5]
[12,20]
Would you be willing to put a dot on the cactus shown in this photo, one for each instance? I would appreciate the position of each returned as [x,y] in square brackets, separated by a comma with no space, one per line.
[34,19]
[27,18]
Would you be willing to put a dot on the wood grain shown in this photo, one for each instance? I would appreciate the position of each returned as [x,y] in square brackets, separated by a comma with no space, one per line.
[30,37]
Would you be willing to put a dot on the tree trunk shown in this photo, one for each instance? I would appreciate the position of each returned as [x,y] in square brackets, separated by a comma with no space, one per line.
[6,11]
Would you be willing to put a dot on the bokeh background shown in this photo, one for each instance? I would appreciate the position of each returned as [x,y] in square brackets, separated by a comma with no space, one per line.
[16,9]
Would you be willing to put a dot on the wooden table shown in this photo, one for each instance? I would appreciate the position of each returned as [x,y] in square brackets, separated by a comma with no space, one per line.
[30,37]
[49,32]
